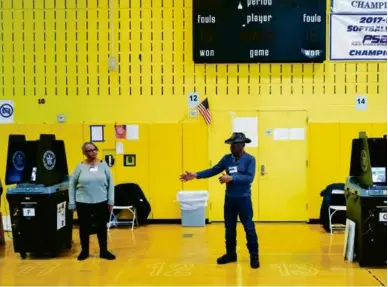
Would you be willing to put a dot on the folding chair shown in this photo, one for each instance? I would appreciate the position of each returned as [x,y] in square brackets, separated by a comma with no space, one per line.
[333,209]
[113,221]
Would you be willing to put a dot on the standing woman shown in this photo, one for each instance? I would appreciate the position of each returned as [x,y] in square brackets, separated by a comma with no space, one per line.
[91,192]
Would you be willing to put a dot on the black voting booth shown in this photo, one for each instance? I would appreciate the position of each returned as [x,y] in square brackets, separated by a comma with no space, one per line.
[40,219]
[366,199]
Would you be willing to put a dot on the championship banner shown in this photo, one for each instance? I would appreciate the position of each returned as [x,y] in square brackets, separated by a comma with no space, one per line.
[358,37]
[359,6]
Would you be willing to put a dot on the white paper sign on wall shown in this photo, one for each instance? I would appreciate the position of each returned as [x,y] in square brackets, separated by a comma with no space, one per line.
[361,103]
[193,99]
[248,126]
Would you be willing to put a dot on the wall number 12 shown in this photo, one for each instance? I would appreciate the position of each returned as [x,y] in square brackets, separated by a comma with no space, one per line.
[193,100]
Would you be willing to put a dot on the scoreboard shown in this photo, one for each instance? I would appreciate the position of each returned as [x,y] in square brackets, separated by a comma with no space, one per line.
[259,31]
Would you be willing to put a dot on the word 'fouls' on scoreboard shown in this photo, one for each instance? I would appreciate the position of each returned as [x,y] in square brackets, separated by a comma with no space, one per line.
[259,31]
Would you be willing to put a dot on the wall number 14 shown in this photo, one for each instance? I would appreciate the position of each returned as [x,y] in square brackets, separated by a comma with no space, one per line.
[361,103]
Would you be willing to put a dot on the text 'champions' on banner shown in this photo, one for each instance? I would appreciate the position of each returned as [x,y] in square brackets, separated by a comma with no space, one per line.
[358,37]
[359,6]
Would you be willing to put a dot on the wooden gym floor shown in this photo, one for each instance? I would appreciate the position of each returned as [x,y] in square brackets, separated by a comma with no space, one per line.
[161,255]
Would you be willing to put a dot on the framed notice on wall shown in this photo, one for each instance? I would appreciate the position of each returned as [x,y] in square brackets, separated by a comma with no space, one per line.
[358,37]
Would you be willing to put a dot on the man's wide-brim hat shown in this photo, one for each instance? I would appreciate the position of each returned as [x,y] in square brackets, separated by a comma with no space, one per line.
[238,138]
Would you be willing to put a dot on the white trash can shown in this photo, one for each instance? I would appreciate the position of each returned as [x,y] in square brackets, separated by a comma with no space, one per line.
[193,207]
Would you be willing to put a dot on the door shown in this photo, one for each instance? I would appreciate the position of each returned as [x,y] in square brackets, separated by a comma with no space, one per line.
[282,165]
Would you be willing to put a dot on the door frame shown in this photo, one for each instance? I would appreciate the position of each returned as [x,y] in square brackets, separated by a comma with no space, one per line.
[306,148]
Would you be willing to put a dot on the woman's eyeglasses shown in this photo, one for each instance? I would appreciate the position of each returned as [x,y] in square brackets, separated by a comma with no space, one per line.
[90,150]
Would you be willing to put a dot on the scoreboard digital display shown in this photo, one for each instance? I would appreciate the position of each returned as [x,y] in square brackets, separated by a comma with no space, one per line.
[259,31]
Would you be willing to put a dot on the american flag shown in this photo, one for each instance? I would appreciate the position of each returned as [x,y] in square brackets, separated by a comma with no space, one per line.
[205,111]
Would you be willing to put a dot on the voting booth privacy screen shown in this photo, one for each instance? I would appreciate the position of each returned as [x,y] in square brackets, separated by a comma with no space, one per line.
[41,162]
[369,161]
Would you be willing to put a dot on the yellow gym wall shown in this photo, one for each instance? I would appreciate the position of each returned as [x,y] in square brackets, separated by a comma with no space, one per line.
[58,50]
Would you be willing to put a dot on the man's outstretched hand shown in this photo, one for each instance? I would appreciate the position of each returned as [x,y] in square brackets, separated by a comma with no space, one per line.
[225,178]
[188,176]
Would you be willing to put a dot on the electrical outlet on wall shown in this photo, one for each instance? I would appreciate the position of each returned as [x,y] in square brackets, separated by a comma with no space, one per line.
[61,118]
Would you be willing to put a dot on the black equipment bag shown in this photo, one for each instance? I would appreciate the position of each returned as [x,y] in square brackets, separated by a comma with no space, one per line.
[332,199]
[131,194]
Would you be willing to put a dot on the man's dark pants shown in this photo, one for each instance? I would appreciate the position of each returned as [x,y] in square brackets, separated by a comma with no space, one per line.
[242,207]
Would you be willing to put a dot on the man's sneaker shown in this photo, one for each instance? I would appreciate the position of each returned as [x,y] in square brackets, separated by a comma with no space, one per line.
[255,261]
[227,258]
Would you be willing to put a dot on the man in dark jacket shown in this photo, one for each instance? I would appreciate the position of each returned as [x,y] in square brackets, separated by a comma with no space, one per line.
[240,170]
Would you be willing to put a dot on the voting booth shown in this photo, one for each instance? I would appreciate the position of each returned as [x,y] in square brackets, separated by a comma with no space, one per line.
[366,202]
[38,204]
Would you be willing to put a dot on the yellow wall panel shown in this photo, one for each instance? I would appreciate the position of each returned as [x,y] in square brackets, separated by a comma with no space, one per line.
[165,166]
[378,130]
[138,174]
[73,137]
[195,153]
[33,131]
[324,162]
